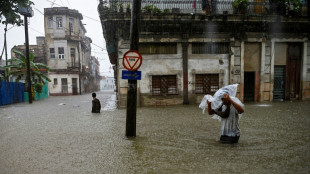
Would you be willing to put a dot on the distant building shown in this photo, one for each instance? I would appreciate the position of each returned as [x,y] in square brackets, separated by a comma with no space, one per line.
[107,83]
[38,50]
[91,75]
[68,51]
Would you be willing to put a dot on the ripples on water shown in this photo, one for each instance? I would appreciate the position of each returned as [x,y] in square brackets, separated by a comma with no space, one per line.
[174,139]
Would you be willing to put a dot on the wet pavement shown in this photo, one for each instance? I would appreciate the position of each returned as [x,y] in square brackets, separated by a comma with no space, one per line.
[60,135]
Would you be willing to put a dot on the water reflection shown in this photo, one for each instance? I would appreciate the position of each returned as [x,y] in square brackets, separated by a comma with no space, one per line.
[174,139]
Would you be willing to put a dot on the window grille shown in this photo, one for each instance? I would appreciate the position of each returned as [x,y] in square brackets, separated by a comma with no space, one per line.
[71,26]
[50,22]
[164,85]
[158,48]
[59,22]
[52,53]
[61,53]
[206,83]
[210,48]
[55,81]
[64,85]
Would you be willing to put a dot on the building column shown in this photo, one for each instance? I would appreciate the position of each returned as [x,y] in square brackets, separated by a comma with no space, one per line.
[242,72]
[185,72]
[272,69]
[263,87]
[304,69]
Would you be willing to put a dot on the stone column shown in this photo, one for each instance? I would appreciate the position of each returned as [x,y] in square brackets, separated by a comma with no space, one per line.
[305,69]
[262,71]
[271,70]
[185,72]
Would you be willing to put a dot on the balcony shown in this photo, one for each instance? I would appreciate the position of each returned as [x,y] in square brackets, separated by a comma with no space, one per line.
[215,7]
[73,66]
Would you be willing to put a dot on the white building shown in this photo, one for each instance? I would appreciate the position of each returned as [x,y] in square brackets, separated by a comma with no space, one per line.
[107,83]
[67,48]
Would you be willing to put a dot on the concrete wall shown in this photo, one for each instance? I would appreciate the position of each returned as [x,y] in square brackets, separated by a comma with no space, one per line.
[252,56]
[258,55]
[171,64]
[306,71]
[280,53]
[56,89]
[56,63]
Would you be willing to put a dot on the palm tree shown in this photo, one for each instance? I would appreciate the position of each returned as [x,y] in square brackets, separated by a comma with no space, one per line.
[18,68]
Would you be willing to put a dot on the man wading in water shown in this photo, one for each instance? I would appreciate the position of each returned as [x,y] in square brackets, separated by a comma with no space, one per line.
[229,109]
[96,106]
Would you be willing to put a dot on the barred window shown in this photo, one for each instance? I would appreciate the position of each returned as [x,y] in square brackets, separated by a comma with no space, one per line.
[210,48]
[59,22]
[164,85]
[52,53]
[61,53]
[158,48]
[71,26]
[50,22]
[206,83]
[55,81]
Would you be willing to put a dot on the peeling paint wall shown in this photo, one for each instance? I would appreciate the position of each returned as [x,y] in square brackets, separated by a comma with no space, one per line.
[56,88]
[257,55]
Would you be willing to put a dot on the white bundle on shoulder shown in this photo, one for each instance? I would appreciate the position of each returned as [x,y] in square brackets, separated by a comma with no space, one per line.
[216,99]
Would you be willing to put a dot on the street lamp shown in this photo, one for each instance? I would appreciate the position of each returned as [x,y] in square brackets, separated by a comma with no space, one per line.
[27,12]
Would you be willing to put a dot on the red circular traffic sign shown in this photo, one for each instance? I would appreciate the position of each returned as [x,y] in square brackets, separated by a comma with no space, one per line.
[132,60]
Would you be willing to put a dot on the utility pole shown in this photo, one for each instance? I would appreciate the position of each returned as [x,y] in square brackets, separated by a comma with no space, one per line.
[27,12]
[6,51]
[5,45]
[132,84]
[28,60]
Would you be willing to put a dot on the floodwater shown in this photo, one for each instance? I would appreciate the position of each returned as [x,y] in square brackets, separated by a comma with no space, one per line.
[60,135]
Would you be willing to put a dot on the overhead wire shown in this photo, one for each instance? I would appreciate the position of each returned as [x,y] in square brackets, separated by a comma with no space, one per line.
[66,29]
[76,34]
[36,30]
[69,4]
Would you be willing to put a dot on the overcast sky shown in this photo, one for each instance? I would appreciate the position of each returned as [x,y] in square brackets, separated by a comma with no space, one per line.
[88,8]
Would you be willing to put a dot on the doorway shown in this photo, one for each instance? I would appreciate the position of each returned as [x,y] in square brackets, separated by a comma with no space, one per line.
[249,86]
[279,83]
[64,85]
[74,86]
[293,71]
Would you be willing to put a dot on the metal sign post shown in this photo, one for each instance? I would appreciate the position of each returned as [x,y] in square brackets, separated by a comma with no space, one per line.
[132,84]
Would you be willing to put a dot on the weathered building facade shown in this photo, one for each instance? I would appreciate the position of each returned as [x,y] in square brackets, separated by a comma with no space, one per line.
[38,50]
[68,51]
[187,54]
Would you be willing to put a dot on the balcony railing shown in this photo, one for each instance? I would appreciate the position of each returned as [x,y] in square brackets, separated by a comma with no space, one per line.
[255,7]
[73,66]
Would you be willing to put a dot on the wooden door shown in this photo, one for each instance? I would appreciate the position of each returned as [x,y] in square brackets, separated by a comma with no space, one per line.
[293,64]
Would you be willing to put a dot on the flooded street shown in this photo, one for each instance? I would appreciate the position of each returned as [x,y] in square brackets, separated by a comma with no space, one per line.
[60,135]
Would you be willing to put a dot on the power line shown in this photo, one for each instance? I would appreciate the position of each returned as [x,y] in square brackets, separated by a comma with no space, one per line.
[69,4]
[75,34]
[98,46]
[62,3]
[36,30]
[82,14]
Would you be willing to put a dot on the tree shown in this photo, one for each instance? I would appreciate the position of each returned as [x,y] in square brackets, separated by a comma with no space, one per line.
[18,68]
[9,14]
[9,11]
